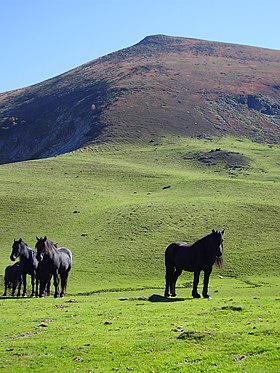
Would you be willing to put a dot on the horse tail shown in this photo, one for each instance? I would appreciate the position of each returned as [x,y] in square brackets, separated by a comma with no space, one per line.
[220,263]
[169,256]
[65,282]
[170,269]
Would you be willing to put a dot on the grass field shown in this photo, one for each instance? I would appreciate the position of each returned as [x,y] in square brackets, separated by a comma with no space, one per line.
[117,208]
[236,331]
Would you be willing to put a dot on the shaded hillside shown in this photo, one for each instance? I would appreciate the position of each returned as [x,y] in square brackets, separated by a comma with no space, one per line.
[162,85]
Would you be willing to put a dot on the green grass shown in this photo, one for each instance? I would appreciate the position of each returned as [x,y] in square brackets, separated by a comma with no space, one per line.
[109,206]
[236,331]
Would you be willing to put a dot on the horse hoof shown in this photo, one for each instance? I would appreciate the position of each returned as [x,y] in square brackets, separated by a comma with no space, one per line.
[207,296]
[196,295]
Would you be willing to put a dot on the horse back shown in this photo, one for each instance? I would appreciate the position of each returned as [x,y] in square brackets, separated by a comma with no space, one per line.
[181,255]
[65,255]
[172,250]
[13,273]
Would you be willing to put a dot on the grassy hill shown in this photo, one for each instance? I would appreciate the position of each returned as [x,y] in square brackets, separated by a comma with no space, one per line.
[118,207]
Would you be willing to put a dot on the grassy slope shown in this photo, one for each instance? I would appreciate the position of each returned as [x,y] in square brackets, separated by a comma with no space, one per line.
[109,206]
[236,331]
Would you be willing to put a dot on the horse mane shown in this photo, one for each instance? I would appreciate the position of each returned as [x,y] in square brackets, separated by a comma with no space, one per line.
[49,245]
[218,260]
[20,241]
[23,244]
[201,240]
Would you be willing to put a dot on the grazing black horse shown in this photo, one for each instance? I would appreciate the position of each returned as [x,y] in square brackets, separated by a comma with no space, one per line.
[53,261]
[200,256]
[28,264]
[13,279]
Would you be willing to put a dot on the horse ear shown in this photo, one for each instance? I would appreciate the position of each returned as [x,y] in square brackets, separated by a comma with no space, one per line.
[213,230]
[38,239]
[45,238]
[20,240]
[223,231]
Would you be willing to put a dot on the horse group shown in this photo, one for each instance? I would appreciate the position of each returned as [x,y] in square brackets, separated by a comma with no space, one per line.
[46,262]
[49,260]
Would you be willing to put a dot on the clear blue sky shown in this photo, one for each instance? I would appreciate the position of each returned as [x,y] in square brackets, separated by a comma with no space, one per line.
[40,39]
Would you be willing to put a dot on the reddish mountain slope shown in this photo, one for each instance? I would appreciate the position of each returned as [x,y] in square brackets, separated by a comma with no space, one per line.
[162,85]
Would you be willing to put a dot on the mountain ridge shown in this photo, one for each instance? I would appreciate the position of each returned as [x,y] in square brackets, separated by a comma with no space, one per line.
[163,85]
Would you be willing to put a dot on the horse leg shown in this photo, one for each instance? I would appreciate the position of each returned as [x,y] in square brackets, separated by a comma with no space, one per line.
[24,284]
[195,284]
[168,281]
[42,287]
[14,288]
[6,287]
[19,287]
[205,284]
[176,274]
[56,283]
[44,279]
[37,279]
[33,284]
[63,278]
[48,288]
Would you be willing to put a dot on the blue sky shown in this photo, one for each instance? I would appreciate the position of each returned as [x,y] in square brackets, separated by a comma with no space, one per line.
[44,38]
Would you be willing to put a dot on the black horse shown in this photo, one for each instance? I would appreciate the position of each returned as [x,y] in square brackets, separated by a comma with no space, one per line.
[200,256]
[28,264]
[13,279]
[53,261]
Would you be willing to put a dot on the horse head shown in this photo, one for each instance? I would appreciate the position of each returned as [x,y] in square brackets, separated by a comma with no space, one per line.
[218,239]
[16,249]
[41,246]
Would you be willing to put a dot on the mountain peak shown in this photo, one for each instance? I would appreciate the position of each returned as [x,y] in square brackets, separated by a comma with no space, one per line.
[155,39]
[163,85]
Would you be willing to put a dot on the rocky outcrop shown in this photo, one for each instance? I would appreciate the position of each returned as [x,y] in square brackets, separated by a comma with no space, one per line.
[260,104]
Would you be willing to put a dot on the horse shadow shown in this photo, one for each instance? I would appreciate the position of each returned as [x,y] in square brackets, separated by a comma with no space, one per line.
[159,298]
[5,297]
[156,298]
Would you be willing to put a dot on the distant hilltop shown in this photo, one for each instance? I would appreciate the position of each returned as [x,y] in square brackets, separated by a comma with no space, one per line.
[160,86]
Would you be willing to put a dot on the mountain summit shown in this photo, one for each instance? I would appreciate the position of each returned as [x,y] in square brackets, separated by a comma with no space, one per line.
[162,85]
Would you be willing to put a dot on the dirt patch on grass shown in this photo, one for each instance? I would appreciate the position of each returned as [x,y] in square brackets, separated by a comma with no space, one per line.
[231,308]
[221,158]
[194,335]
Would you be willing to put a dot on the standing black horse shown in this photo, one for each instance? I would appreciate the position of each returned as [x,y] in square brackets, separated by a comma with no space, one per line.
[28,264]
[200,256]
[13,279]
[53,261]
